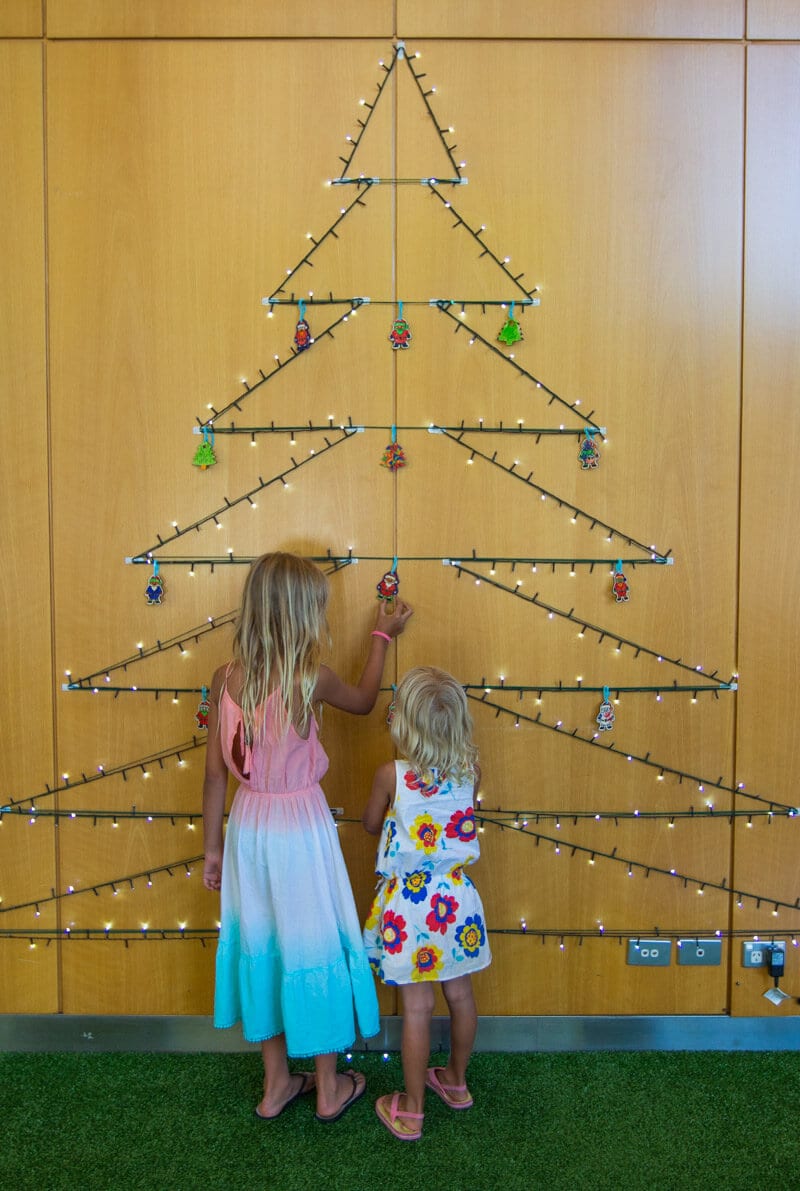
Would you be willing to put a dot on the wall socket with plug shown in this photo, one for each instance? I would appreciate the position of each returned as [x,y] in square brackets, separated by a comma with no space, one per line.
[755,954]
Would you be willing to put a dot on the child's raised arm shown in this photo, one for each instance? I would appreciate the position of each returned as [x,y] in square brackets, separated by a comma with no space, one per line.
[360,699]
[215,787]
[379,799]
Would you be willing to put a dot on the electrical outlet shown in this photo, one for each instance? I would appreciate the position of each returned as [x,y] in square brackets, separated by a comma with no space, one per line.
[700,952]
[651,953]
[756,954]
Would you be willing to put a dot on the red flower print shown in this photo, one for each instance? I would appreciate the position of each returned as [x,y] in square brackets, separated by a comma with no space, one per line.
[426,783]
[462,825]
[442,912]
[393,932]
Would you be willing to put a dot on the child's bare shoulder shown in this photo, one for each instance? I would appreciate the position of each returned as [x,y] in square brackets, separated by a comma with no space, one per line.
[384,775]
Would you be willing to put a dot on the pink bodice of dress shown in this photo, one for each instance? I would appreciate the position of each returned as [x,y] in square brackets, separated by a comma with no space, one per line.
[275,763]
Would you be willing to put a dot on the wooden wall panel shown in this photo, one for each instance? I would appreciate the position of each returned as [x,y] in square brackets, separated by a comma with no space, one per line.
[21,18]
[773,19]
[27,851]
[572,18]
[209,18]
[767,736]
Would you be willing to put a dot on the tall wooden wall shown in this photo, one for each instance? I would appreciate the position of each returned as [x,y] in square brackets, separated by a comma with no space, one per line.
[163,167]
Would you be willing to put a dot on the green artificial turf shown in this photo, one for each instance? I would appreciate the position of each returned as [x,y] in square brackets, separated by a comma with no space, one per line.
[583,1121]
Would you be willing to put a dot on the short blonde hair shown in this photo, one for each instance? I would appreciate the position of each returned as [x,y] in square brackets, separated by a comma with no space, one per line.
[431,725]
[280,632]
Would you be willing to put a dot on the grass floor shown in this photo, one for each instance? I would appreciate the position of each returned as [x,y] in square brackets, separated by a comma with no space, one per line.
[719,1121]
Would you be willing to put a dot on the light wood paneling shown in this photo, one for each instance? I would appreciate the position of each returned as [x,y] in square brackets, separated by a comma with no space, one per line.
[27,853]
[773,19]
[572,18]
[767,738]
[21,18]
[209,18]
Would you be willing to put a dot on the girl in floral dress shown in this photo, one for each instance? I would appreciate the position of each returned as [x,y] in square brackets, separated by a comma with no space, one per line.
[426,925]
[290,960]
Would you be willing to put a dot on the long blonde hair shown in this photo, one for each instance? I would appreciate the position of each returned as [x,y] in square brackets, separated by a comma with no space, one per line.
[280,631]
[431,725]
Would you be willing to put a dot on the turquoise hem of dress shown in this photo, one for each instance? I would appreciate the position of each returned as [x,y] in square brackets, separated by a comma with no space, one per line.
[319,1010]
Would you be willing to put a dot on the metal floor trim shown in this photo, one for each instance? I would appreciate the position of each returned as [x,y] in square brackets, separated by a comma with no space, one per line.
[66,1032]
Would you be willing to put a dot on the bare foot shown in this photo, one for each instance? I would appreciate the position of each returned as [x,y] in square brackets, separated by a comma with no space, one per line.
[273,1104]
[350,1087]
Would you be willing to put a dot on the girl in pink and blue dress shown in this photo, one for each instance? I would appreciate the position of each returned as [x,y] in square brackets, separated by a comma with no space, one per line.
[290,963]
[426,925]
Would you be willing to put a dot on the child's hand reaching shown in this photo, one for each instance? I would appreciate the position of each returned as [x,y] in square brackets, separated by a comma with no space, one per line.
[392,619]
[212,871]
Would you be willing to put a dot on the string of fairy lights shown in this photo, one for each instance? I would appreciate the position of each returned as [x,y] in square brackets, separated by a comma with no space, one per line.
[520,824]
[278,366]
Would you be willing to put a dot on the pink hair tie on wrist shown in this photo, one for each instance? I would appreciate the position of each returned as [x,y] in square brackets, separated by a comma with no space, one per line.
[378,633]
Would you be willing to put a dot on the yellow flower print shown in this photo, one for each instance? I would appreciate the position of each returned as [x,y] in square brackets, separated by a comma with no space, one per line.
[425,833]
[374,915]
[426,962]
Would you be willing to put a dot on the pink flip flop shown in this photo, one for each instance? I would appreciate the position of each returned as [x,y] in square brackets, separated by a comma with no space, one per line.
[442,1089]
[389,1114]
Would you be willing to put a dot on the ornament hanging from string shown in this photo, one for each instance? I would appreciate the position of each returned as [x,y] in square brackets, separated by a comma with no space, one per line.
[605,715]
[204,707]
[511,331]
[619,585]
[302,332]
[400,334]
[154,592]
[394,457]
[389,585]
[589,453]
[390,710]
[204,456]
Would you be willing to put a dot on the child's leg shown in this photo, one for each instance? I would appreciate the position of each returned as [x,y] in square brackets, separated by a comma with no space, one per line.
[280,1086]
[463,1028]
[418,1001]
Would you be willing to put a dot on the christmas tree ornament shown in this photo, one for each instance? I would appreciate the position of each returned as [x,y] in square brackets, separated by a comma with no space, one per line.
[154,592]
[302,332]
[394,457]
[511,331]
[392,706]
[589,453]
[201,715]
[204,455]
[389,585]
[619,585]
[400,335]
[605,715]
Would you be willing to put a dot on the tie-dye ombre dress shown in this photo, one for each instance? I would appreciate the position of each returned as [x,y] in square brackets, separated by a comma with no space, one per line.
[290,957]
[427,920]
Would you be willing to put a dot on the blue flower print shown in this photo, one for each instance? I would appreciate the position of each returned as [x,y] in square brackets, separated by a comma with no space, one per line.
[471,935]
[390,842]
[415,885]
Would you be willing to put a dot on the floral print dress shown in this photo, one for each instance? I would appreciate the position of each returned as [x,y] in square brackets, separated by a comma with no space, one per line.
[427,920]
